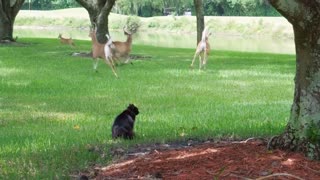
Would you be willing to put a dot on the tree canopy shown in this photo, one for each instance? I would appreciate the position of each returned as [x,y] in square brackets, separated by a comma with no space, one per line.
[147,8]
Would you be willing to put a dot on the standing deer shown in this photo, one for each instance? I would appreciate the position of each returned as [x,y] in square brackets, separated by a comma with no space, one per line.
[98,51]
[68,41]
[112,51]
[203,49]
[121,50]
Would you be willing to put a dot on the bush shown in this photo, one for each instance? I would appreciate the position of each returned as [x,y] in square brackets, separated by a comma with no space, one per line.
[153,24]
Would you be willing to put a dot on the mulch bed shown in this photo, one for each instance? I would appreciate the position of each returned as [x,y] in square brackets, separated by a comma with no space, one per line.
[209,160]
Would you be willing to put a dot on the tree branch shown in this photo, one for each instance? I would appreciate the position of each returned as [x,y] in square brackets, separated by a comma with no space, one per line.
[288,9]
[3,16]
[105,11]
[16,8]
[87,4]
[298,12]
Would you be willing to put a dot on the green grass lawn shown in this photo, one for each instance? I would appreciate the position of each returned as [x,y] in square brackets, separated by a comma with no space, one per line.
[54,107]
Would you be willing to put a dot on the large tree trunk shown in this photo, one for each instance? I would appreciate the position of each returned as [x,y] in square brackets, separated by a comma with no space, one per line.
[200,18]
[8,12]
[99,11]
[303,129]
[6,29]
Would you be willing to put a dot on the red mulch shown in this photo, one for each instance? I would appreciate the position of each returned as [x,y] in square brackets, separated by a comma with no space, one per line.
[222,160]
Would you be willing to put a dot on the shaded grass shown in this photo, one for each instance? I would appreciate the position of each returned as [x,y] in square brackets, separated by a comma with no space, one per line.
[53,106]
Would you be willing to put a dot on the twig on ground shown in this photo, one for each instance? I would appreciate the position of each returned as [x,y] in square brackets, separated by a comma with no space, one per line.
[269,176]
[242,177]
[313,170]
[246,141]
[279,174]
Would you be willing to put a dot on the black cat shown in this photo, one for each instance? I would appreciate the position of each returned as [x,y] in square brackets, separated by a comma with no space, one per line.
[124,122]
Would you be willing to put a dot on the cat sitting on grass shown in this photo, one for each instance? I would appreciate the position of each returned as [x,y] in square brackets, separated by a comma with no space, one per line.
[124,123]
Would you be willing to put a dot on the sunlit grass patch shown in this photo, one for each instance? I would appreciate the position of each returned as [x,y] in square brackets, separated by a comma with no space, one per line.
[251,74]
[9,71]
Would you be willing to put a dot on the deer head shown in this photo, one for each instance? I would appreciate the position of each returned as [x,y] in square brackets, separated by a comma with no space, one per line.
[125,30]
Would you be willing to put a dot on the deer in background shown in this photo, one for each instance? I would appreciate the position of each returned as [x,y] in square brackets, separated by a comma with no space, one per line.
[98,51]
[68,41]
[203,49]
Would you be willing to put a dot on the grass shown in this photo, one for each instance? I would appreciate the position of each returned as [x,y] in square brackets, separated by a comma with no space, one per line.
[54,107]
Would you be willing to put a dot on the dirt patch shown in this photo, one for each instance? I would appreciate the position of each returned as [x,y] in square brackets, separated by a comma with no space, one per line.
[132,56]
[13,43]
[82,54]
[209,160]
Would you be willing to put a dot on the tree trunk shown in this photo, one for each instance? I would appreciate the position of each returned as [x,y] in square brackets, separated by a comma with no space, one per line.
[200,18]
[8,12]
[6,29]
[303,129]
[99,11]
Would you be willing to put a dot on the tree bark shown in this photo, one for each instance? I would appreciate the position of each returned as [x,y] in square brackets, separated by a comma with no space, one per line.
[8,12]
[99,11]
[303,129]
[200,18]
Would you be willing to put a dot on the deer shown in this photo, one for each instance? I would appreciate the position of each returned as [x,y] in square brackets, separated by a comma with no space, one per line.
[203,49]
[68,41]
[98,51]
[121,50]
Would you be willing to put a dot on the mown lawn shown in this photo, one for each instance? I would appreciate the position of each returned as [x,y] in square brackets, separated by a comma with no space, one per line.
[54,107]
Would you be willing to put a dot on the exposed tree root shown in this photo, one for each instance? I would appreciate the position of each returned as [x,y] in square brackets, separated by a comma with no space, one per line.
[8,40]
[270,144]
[287,141]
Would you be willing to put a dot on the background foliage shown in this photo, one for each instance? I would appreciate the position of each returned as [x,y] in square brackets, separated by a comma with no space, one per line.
[148,8]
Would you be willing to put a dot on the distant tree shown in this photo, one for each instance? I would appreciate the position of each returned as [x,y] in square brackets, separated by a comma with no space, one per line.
[99,11]
[148,8]
[64,4]
[200,18]
[145,8]
[8,12]
[302,132]
[41,4]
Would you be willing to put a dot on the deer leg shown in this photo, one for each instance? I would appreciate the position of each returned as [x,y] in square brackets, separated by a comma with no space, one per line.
[128,59]
[111,65]
[200,61]
[112,61]
[205,56]
[95,64]
[194,57]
